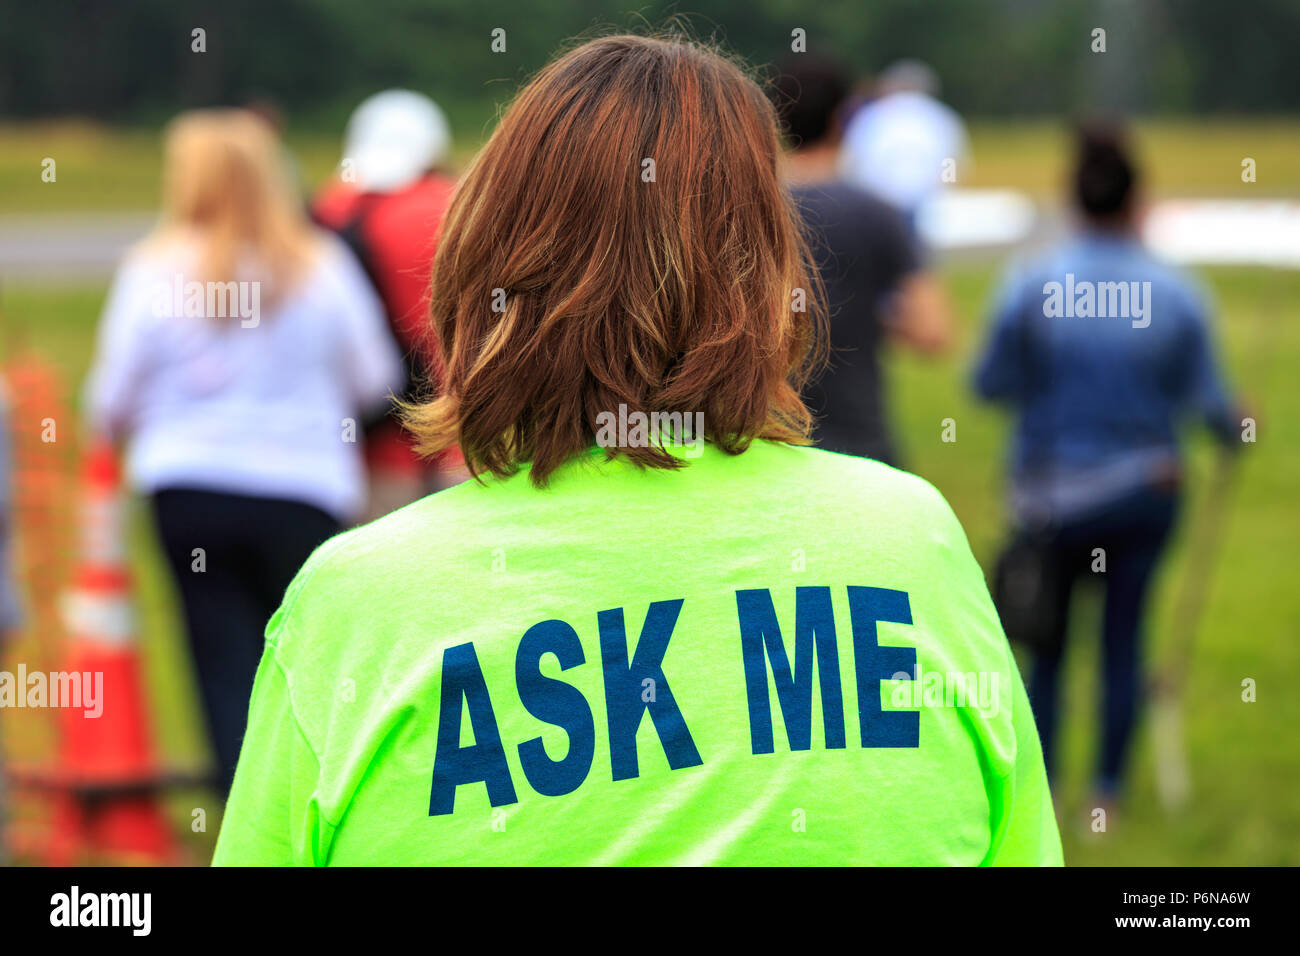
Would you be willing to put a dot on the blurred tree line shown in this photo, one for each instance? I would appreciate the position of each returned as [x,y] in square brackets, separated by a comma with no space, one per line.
[133,59]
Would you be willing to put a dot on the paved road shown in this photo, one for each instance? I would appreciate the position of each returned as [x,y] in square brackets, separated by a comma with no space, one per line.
[63,247]
[57,248]
[74,247]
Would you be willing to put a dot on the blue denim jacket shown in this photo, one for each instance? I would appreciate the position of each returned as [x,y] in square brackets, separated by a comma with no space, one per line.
[1102,351]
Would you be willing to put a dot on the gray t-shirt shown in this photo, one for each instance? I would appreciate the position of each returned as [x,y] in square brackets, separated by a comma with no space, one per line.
[863,249]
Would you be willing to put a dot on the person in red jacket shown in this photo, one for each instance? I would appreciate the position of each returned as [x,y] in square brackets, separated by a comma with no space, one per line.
[388,203]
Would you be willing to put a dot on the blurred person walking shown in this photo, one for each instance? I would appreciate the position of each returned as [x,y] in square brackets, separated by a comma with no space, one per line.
[237,349]
[1101,351]
[898,144]
[596,580]
[877,286]
[388,204]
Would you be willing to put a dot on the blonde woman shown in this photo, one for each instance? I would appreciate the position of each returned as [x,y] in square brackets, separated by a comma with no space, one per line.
[238,351]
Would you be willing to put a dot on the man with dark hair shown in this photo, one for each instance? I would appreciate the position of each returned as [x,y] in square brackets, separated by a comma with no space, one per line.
[809,95]
[877,286]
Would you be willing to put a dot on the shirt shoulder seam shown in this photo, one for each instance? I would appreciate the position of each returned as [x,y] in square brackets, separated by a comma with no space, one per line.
[297,725]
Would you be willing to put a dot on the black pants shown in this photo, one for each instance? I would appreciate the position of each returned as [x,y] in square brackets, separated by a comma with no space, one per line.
[1133,533]
[250,550]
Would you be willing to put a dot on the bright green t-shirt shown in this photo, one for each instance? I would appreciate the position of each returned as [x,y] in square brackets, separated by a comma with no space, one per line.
[780,657]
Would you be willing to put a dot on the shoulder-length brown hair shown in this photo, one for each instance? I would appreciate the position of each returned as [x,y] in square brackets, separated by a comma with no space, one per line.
[623,238]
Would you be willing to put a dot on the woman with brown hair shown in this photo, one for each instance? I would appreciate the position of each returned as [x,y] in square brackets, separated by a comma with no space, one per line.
[626,310]
[239,347]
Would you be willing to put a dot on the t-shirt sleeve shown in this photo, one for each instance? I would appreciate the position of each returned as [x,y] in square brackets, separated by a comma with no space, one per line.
[896,249]
[1021,819]
[1027,834]
[272,816]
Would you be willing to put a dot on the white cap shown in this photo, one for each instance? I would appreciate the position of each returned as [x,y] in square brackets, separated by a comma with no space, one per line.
[393,138]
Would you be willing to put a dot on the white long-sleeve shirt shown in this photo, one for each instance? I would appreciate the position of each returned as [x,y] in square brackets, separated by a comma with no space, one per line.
[270,409]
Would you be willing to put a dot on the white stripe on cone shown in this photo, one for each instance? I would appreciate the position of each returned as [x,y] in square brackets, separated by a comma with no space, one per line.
[105,619]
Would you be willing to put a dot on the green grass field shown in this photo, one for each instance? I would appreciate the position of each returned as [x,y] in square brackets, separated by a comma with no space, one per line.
[1245,756]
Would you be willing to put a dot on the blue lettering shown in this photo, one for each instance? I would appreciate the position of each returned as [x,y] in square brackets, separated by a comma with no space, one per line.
[554,702]
[625,699]
[814,627]
[453,764]
[873,663]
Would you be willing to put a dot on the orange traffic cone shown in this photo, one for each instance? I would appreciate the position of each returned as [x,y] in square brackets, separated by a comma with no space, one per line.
[43,484]
[107,805]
